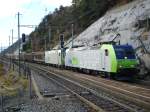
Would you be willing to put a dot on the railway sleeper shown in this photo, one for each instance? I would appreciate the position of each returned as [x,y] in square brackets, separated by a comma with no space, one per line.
[85,93]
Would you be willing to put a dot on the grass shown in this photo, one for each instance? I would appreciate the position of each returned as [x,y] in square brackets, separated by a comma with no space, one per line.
[1,69]
[11,82]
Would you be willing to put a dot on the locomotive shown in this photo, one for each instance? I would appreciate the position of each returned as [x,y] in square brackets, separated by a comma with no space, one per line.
[107,59]
[110,60]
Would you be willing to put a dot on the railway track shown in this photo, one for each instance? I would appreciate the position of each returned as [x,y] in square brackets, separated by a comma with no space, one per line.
[131,90]
[52,91]
[91,96]
[135,91]
[53,97]
[136,99]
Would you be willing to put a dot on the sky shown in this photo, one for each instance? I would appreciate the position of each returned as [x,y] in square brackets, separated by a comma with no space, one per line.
[32,12]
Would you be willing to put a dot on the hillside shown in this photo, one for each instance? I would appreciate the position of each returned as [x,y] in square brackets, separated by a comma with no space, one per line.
[131,22]
[123,21]
[81,14]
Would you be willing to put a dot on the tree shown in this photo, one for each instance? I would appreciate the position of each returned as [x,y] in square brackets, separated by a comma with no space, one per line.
[82,13]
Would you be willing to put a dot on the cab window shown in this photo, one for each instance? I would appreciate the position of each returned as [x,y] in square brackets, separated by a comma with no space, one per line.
[106,52]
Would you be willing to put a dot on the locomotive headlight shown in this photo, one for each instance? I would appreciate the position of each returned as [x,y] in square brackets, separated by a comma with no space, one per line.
[125,58]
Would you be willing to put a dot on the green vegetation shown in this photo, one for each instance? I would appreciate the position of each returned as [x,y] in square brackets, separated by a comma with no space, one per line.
[81,13]
[1,69]
[10,82]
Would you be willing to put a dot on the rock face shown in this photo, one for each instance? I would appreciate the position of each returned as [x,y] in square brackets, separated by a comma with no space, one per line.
[131,22]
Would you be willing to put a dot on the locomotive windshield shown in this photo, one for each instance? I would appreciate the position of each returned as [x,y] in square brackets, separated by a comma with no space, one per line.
[124,51]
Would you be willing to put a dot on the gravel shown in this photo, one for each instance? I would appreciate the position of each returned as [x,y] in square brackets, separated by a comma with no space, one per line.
[47,86]
[63,101]
[63,104]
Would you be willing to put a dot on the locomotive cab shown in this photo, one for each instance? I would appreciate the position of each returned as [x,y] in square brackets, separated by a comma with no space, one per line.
[126,59]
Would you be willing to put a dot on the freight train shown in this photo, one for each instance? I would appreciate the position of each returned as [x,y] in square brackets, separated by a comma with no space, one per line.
[107,59]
